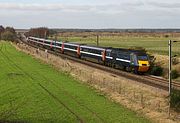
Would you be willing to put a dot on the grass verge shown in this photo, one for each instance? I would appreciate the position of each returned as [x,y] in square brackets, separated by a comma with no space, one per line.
[31,91]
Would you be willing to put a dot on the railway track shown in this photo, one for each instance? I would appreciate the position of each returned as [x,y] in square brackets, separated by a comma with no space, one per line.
[163,81]
[154,81]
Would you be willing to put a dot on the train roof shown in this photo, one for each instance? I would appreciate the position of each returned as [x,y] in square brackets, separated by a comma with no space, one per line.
[98,47]
[75,43]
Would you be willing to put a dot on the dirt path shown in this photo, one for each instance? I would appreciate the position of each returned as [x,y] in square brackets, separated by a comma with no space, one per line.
[146,100]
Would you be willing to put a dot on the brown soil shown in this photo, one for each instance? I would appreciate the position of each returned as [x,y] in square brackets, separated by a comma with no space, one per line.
[143,99]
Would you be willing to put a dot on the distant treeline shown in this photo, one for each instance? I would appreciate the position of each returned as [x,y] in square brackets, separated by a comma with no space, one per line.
[41,32]
[120,30]
[109,30]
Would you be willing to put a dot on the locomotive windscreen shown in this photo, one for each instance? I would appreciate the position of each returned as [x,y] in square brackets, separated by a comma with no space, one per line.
[143,58]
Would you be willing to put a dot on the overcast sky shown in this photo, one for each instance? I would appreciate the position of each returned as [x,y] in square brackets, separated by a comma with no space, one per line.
[90,13]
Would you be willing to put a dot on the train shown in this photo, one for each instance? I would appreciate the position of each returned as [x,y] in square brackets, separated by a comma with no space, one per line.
[130,60]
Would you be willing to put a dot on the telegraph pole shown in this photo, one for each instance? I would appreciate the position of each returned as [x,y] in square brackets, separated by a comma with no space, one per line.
[170,73]
[97,40]
[170,79]
[45,34]
[170,66]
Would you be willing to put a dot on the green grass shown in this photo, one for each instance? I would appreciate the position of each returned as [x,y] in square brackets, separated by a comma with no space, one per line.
[158,45]
[31,91]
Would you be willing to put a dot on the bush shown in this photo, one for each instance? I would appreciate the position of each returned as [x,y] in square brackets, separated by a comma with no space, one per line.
[156,70]
[10,29]
[174,74]
[175,100]
[166,36]
[8,36]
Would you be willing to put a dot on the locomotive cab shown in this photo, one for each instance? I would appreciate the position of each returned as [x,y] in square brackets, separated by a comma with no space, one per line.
[140,61]
[143,62]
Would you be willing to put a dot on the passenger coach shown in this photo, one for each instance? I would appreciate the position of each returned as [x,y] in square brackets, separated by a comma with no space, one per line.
[126,59]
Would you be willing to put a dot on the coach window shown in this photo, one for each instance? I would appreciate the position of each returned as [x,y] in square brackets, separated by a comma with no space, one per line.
[84,49]
[120,55]
[132,58]
[75,47]
[126,57]
[108,53]
[68,46]
[95,51]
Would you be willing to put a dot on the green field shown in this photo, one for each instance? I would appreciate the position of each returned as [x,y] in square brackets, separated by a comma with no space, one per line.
[157,45]
[31,91]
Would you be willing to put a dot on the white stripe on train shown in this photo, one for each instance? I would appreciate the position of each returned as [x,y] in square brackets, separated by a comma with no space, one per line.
[118,59]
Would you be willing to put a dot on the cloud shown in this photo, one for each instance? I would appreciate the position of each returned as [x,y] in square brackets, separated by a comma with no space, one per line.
[121,6]
[111,14]
[32,7]
[165,5]
[44,7]
[73,8]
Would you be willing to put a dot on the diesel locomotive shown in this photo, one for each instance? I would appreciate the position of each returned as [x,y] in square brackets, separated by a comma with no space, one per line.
[126,59]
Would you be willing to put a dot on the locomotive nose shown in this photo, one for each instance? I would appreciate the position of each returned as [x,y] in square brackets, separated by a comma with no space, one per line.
[143,66]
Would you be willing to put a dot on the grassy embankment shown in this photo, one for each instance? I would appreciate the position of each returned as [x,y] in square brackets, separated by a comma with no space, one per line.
[32,91]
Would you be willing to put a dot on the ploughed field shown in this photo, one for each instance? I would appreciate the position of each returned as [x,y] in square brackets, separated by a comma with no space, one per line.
[31,91]
[157,45]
